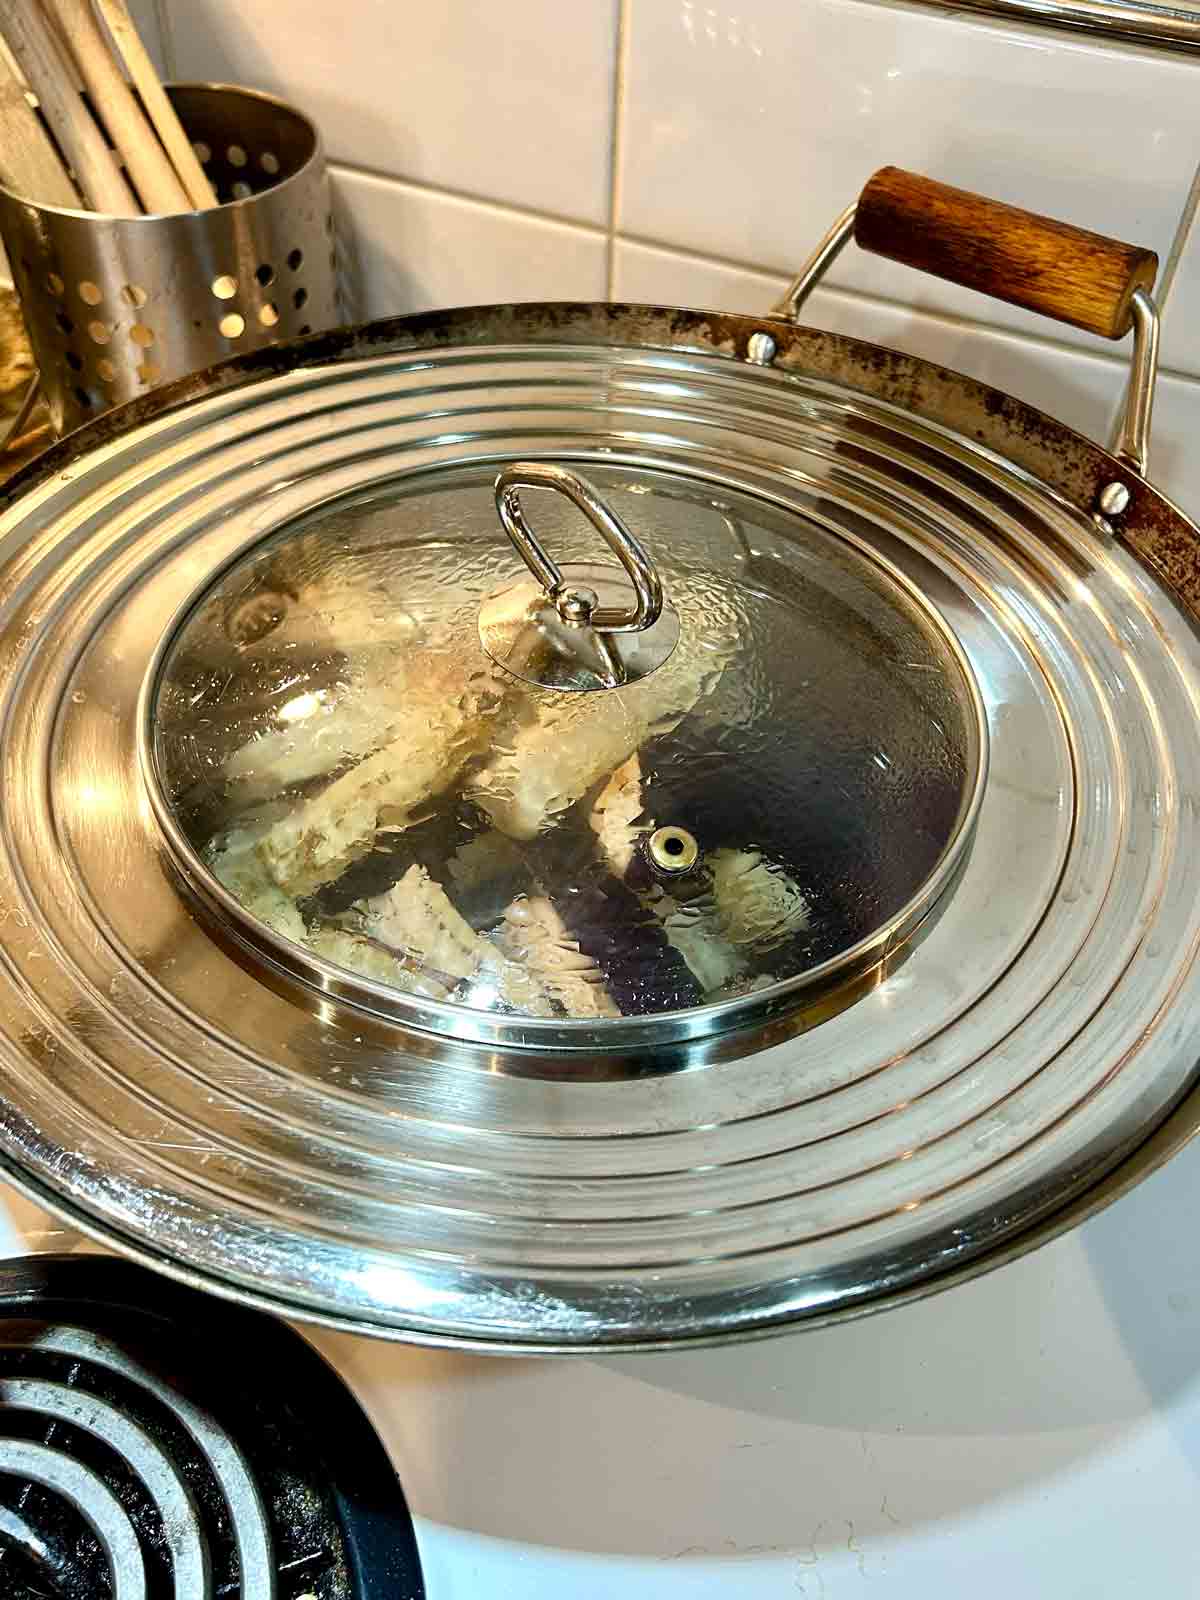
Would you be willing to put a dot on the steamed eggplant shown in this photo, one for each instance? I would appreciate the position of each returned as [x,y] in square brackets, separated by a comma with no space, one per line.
[534,936]
[361,954]
[238,867]
[575,741]
[434,735]
[441,744]
[735,910]
[416,920]
[757,903]
[616,816]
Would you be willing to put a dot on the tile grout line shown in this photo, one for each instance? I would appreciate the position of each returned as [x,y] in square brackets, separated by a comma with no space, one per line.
[616,143]
[709,257]
[1183,231]
[511,207]
[1162,293]
[166,34]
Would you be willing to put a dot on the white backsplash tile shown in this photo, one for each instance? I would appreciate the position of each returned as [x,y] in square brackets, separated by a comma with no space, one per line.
[408,249]
[145,19]
[746,130]
[1179,348]
[1076,386]
[652,276]
[508,101]
[1175,443]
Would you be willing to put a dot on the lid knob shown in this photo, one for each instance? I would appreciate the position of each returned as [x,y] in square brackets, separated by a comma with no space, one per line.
[576,627]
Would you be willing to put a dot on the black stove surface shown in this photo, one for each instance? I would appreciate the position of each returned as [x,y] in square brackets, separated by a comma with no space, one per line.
[159,1445]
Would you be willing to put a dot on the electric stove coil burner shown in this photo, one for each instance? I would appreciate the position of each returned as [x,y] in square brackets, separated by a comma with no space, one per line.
[153,1444]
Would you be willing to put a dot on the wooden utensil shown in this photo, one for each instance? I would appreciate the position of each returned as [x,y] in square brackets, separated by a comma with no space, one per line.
[159,109]
[29,164]
[50,72]
[145,160]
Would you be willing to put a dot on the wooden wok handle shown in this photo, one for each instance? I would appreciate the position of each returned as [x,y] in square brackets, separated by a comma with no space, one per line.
[1014,255]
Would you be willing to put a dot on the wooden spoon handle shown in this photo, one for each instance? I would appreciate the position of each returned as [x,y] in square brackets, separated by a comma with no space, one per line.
[29,163]
[1063,272]
[51,74]
[159,109]
[145,160]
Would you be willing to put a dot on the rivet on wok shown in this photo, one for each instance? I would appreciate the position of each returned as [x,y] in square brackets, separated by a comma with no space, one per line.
[760,348]
[673,850]
[1113,499]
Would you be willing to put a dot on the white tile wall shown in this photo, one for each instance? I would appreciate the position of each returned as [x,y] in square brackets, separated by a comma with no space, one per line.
[509,101]
[415,249]
[693,149]
[1180,350]
[1175,441]
[670,277]
[148,21]
[748,129]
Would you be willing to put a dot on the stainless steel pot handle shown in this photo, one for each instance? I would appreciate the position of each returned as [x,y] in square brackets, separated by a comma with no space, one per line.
[1136,305]
[576,603]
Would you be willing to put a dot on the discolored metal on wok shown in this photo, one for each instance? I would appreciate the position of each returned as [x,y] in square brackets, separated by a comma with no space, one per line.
[1028,1060]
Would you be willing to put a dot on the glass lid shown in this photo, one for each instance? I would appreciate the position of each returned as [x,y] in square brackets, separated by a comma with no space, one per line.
[556,750]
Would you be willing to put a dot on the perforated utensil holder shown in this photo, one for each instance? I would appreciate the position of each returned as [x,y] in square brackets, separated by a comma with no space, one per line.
[116,306]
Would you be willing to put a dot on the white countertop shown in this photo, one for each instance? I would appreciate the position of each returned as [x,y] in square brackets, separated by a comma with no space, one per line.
[1034,1433]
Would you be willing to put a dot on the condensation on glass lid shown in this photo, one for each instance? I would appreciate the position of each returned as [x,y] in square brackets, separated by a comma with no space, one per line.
[350,766]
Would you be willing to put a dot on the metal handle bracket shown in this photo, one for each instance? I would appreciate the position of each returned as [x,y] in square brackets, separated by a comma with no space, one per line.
[1132,441]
